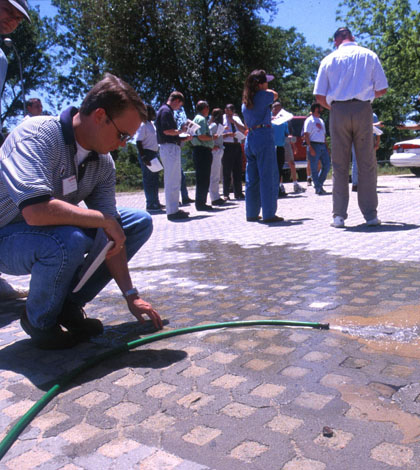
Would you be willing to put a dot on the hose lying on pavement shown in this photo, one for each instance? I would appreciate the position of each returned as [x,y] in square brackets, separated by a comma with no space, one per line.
[26,419]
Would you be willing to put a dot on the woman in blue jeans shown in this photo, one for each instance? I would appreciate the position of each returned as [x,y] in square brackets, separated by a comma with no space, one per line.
[261,169]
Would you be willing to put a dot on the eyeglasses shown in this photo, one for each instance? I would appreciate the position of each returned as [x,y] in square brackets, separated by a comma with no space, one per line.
[123,136]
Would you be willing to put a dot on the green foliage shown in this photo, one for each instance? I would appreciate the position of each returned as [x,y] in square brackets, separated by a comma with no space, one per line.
[392,29]
[203,48]
[32,41]
[294,64]
[128,171]
[199,47]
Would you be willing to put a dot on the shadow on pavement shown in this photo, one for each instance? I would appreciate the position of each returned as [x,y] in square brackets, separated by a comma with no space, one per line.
[384,227]
[286,223]
[44,368]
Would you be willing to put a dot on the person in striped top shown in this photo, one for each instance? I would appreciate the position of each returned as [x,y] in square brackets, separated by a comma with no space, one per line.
[48,165]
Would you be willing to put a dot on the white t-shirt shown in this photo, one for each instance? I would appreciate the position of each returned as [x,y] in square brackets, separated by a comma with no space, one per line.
[227,124]
[350,72]
[315,127]
[81,153]
[147,134]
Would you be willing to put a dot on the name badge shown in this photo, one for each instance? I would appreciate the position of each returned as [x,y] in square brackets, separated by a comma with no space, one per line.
[69,185]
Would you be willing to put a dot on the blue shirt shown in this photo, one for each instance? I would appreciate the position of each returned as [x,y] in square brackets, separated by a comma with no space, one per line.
[280,133]
[261,112]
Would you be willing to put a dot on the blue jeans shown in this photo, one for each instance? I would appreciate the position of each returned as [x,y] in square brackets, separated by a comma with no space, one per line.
[53,256]
[262,175]
[184,190]
[321,155]
[150,182]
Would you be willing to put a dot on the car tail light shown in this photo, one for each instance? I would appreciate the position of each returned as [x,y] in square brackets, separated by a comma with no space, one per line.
[402,147]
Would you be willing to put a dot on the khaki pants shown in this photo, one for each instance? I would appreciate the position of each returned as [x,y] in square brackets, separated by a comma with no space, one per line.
[351,122]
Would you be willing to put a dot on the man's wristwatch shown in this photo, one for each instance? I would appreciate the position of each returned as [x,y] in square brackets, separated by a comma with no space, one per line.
[131,292]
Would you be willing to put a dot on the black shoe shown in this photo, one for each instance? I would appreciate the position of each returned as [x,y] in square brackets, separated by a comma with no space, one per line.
[240,197]
[74,319]
[218,202]
[154,208]
[253,219]
[282,193]
[178,215]
[273,219]
[51,338]
[204,207]
[354,188]
[187,200]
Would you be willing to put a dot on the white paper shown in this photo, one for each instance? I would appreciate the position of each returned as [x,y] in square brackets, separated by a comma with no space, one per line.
[191,127]
[220,129]
[282,116]
[155,165]
[377,131]
[94,266]
[238,135]
[183,135]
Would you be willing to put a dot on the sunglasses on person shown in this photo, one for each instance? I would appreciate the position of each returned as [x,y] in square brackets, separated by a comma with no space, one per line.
[123,136]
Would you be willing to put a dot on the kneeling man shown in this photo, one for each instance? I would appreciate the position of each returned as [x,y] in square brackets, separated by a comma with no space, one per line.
[48,165]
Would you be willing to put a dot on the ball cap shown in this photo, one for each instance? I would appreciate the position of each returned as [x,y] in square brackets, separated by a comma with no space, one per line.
[21,5]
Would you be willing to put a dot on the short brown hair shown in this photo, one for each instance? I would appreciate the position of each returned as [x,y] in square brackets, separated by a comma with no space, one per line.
[176,95]
[114,96]
[201,105]
[343,33]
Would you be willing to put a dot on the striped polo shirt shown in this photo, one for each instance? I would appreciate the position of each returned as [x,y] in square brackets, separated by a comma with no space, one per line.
[39,156]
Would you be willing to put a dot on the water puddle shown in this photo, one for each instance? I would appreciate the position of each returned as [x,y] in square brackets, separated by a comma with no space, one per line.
[381,332]
[396,332]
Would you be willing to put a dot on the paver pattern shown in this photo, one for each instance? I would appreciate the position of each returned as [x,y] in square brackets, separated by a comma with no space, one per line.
[246,398]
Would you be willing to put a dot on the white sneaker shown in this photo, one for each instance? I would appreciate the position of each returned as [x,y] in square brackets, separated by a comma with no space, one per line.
[8,292]
[338,222]
[373,222]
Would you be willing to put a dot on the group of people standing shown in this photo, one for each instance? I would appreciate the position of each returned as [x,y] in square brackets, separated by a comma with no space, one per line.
[212,150]
[216,145]
[348,80]
[217,148]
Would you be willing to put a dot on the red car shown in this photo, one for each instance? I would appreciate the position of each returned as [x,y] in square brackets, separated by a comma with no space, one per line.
[296,130]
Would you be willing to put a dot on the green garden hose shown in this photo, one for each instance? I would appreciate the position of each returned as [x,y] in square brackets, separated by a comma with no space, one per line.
[19,427]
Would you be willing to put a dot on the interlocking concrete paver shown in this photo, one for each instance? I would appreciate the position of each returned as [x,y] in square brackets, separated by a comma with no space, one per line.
[249,398]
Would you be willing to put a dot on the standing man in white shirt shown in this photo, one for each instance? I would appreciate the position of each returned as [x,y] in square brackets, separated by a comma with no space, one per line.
[348,80]
[314,134]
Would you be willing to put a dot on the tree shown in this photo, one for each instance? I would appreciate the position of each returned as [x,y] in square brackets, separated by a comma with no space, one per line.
[204,48]
[32,41]
[392,29]
[200,47]
[294,65]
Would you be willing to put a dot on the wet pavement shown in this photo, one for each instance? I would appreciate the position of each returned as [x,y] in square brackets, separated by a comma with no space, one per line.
[246,398]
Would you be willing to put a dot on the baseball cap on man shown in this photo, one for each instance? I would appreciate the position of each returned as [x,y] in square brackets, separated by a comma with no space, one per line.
[21,5]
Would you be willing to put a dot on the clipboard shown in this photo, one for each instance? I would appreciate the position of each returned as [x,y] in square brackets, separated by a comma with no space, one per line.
[94,266]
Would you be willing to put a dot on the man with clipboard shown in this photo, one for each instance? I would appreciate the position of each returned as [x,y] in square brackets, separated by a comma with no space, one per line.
[49,164]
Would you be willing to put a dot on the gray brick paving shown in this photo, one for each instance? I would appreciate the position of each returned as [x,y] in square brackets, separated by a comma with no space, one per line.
[246,398]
